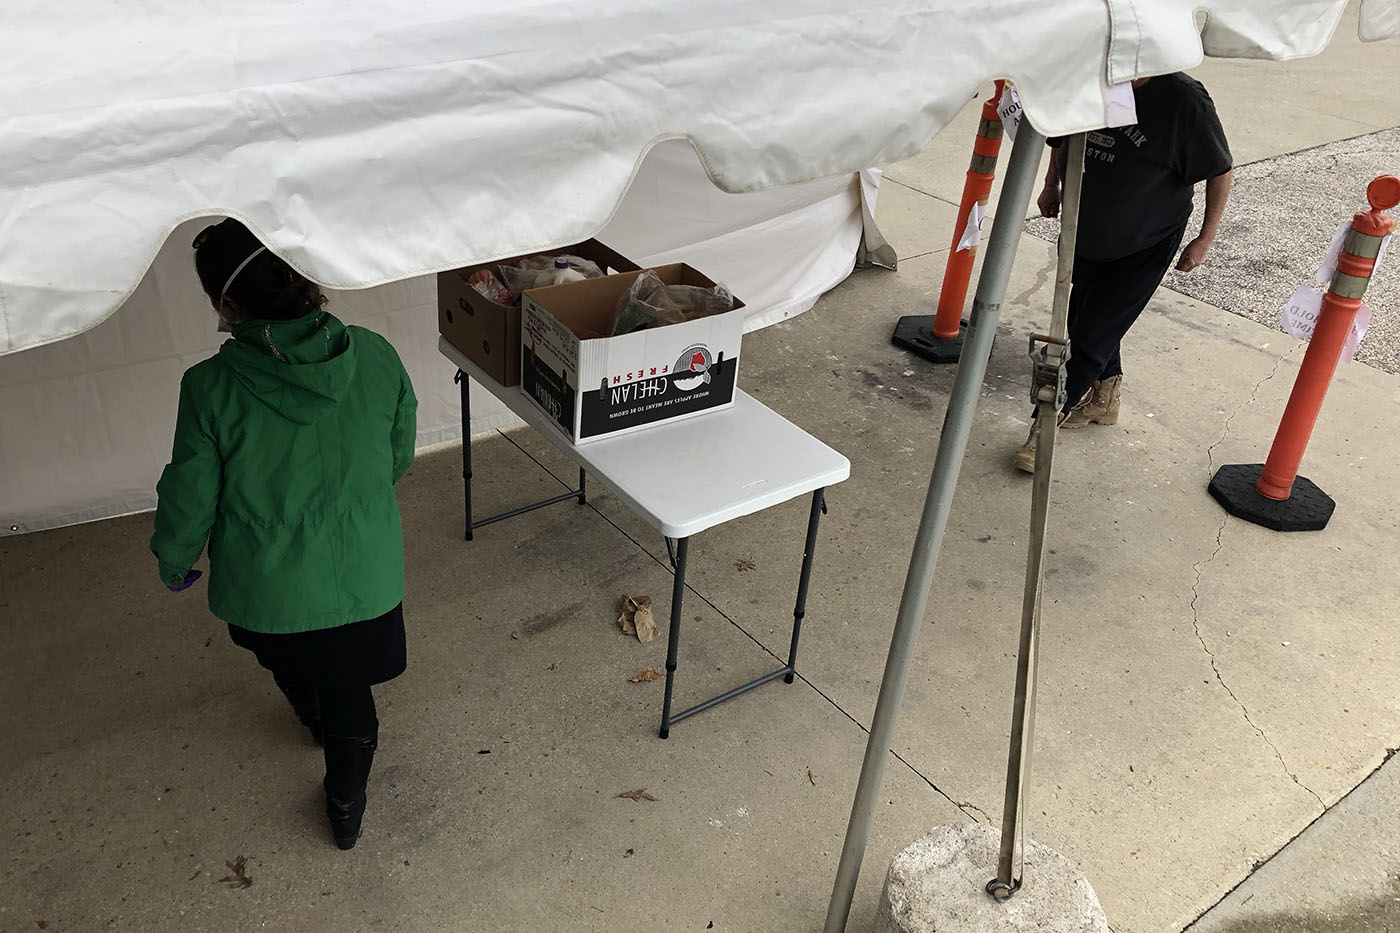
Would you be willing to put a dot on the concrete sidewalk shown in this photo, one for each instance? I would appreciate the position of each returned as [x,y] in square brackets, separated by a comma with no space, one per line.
[1340,875]
[1209,688]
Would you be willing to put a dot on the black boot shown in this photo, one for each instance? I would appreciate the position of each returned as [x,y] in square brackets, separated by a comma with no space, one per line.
[306,703]
[348,760]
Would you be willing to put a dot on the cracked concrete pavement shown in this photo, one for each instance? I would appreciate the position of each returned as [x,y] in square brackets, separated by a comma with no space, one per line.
[160,752]
[1337,876]
[1199,569]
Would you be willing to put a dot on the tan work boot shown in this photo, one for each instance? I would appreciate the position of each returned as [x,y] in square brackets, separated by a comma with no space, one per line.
[1024,458]
[1101,407]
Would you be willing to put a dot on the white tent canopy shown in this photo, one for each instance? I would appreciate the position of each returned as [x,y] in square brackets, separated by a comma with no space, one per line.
[373,141]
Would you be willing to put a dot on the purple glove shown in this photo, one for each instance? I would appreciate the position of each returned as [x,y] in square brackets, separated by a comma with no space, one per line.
[190,577]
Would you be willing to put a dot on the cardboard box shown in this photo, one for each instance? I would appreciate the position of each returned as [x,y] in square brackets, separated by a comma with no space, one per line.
[488,333]
[607,386]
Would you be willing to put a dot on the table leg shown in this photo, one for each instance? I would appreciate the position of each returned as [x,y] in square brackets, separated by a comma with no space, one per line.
[673,637]
[818,507]
[464,383]
[582,487]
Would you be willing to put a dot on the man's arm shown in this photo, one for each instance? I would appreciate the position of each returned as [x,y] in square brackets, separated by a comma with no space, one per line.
[1217,194]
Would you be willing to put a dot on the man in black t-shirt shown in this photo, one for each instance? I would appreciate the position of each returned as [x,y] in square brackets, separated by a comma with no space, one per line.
[1133,211]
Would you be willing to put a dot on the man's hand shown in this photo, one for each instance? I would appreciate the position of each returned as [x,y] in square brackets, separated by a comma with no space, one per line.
[1194,254]
[1217,193]
[1049,201]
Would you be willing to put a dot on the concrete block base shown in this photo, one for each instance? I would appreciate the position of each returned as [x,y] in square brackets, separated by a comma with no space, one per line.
[938,885]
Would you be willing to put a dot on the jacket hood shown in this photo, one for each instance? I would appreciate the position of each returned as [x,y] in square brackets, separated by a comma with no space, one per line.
[300,368]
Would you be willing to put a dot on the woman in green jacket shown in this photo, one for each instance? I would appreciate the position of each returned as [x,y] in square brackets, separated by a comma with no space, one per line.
[288,446]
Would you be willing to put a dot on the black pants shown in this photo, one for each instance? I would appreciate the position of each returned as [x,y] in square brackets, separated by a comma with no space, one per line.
[347,711]
[1106,299]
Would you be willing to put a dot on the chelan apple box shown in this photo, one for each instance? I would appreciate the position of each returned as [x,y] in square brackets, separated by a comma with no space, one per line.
[606,386]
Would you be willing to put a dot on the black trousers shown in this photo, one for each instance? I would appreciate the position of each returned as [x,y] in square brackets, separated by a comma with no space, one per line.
[1106,299]
[345,711]
[348,711]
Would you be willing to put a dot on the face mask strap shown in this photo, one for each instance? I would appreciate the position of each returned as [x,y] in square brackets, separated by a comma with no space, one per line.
[254,255]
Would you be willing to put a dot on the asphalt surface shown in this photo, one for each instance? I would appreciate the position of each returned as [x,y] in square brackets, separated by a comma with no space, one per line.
[1280,219]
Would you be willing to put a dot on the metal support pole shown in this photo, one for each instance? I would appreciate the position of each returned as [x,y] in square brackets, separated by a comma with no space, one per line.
[465,385]
[1048,392]
[582,486]
[952,445]
[805,579]
[673,637]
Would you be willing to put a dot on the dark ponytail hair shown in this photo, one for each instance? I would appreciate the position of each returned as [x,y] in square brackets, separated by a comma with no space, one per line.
[266,288]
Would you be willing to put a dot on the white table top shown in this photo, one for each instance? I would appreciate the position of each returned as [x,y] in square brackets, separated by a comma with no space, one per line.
[692,474]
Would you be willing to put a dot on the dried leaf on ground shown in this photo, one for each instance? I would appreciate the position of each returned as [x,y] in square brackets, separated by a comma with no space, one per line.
[638,794]
[646,625]
[239,878]
[646,676]
[626,613]
[811,778]
[634,617]
[744,564]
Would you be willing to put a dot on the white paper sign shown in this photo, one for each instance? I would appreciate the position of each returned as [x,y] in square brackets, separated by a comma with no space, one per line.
[1334,249]
[1299,319]
[1009,109]
[1299,316]
[972,233]
[1119,104]
[1359,325]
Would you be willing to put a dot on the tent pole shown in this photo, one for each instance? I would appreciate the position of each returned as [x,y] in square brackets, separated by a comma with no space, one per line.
[952,445]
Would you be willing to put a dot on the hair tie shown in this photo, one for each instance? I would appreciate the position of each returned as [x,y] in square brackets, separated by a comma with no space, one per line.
[251,257]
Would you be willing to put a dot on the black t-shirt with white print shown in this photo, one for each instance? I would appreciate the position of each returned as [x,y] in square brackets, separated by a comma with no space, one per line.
[1138,179]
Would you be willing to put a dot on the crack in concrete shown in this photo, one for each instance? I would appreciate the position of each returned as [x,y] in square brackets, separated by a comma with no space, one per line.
[1261,862]
[972,806]
[962,805]
[1199,568]
[1225,431]
[916,189]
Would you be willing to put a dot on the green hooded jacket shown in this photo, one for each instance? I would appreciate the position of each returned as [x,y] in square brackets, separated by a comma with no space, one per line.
[288,446]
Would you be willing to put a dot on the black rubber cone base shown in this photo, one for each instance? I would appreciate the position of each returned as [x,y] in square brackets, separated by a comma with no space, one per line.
[914,333]
[1307,509]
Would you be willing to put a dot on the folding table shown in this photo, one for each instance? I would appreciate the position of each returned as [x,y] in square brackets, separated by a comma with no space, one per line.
[681,478]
